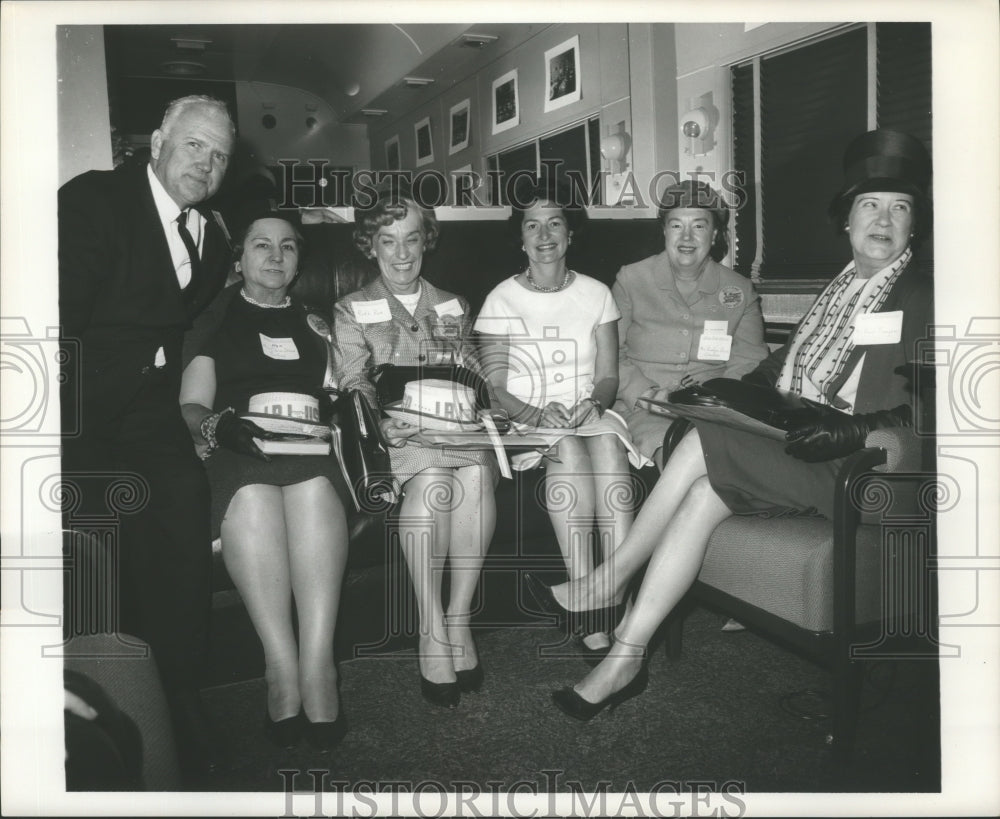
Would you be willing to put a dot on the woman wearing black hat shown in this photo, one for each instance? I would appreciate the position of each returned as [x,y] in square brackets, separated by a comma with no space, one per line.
[851,354]
[281,517]
[685,317]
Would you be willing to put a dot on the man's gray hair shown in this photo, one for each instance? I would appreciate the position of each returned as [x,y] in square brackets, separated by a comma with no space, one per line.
[178,106]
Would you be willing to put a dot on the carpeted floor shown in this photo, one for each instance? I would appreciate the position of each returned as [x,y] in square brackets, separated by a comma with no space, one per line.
[725,712]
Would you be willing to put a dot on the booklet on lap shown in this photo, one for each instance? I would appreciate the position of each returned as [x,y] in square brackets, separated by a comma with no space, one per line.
[750,407]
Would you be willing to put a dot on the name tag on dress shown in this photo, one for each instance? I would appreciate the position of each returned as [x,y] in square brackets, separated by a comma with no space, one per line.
[878,328]
[283,349]
[371,312]
[715,342]
[452,307]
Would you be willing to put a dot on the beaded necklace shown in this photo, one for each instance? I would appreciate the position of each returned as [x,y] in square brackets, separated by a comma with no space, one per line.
[556,289]
[250,300]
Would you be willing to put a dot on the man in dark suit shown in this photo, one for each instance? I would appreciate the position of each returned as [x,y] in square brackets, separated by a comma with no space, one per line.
[137,262]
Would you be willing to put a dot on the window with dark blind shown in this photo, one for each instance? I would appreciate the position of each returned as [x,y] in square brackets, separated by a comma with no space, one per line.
[812,101]
[574,150]
[744,160]
[904,94]
[904,78]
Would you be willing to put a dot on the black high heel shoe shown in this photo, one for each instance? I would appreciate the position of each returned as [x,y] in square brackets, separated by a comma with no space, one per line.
[285,733]
[325,736]
[572,704]
[445,695]
[470,680]
[590,621]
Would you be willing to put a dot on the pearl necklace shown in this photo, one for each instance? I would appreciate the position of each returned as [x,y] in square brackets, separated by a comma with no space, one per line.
[556,289]
[250,300]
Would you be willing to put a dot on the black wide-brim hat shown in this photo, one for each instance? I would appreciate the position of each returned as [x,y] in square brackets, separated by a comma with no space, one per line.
[885,160]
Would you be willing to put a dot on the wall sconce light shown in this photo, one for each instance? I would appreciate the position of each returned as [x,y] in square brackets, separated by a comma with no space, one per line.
[615,147]
[695,124]
[698,125]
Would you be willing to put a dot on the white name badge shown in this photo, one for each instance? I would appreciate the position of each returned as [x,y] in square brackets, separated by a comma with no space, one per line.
[283,349]
[452,307]
[714,347]
[372,312]
[878,328]
[715,342]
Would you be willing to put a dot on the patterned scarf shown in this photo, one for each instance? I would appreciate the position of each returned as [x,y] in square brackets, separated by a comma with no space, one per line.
[825,338]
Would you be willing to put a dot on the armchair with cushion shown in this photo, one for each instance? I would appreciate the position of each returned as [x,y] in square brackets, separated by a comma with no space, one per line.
[841,591]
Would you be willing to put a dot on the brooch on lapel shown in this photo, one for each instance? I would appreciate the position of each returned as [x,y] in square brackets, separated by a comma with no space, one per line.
[446,328]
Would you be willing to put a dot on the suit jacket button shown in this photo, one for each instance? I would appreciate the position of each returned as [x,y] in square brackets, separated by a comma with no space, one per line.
[421,357]
[414,328]
[145,370]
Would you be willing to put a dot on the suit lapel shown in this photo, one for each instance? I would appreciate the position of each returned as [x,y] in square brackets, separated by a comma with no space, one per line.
[159,261]
[428,298]
[890,304]
[215,250]
[400,315]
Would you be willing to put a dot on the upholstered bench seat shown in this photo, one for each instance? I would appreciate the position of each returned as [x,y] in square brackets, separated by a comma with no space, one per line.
[785,566]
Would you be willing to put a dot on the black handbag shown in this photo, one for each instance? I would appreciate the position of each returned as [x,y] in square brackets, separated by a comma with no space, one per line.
[776,408]
[365,455]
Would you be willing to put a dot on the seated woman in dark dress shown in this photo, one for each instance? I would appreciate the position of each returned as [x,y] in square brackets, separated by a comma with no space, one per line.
[281,517]
[852,354]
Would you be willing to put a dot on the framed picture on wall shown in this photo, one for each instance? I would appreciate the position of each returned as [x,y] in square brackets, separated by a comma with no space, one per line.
[425,148]
[562,74]
[506,108]
[459,121]
[392,162]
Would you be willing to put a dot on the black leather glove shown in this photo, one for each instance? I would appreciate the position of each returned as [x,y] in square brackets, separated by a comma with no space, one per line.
[835,434]
[238,434]
[759,378]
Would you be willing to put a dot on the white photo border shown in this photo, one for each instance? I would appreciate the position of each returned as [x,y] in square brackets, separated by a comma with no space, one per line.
[428,158]
[514,121]
[389,143]
[453,146]
[572,44]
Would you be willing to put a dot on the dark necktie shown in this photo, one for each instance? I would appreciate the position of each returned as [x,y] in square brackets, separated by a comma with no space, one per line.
[192,250]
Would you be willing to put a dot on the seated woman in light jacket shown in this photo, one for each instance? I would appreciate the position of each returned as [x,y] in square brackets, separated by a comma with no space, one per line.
[685,317]
[401,318]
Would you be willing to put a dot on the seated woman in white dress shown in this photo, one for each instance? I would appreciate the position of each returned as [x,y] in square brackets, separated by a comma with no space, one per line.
[549,342]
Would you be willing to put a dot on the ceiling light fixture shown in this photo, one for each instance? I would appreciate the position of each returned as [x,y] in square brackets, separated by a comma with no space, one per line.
[191,43]
[183,68]
[477,40]
[374,112]
[417,82]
